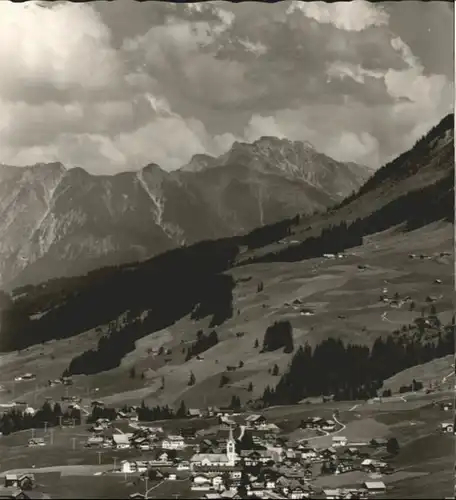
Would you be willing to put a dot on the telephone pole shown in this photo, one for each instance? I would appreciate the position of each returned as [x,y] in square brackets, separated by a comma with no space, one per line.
[147,484]
[45,427]
[52,436]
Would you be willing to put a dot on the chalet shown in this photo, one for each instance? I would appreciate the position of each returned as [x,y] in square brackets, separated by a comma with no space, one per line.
[36,442]
[95,441]
[370,465]
[447,427]
[339,441]
[343,467]
[255,420]
[332,493]
[163,457]
[309,454]
[252,458]
[312,423]
[21,481]
[297,493]
[201,482]
[66,380]
[141,466]
[195,412]
[188,432]
[379,442]
[127,467]
[374,487]
[328,452]
[210,460]
[11,481]
[173,443]
[446,406]
[212,411]
[121,441]
[94,404]
[328,425]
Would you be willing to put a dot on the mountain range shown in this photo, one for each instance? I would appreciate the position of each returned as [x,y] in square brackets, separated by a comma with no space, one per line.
[65,222]
[203,311]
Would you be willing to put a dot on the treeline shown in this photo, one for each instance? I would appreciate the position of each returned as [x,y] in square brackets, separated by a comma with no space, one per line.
[202,344]
[352,372]
[332,239]
[408,163]
[278,335]
[144,412]
[415,208]
[17,420]
[75,305]
[171,306]
[271,233]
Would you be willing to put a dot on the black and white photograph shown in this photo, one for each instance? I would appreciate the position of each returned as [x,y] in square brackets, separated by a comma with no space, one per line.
[227,250]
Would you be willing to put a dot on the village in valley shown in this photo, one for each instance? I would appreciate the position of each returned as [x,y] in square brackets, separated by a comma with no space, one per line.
[326,450]
[63,438]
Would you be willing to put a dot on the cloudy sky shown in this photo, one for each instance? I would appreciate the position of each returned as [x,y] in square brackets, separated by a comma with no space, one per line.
[114,86]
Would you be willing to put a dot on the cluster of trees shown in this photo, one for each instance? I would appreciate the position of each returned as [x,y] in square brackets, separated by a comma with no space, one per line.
[202,343]
[158,412]
[126,290]
[277,336]
[265,235]
[144,412]
[102,412]
[235,403]
[224,380]
[352,372]
[416,385]
[48,415]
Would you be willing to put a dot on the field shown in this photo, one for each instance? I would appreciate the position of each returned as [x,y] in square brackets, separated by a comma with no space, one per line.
[344,299]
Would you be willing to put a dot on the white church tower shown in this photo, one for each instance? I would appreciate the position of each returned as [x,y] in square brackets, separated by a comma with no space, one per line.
[231,449]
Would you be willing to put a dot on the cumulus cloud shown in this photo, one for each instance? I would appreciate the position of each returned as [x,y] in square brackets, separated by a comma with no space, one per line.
[59,48]
[356,15]
[114,86]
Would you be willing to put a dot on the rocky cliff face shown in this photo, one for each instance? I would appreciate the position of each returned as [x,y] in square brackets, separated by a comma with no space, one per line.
[58,222]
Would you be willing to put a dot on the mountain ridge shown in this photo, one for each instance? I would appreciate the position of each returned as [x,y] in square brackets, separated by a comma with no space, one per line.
[66,221]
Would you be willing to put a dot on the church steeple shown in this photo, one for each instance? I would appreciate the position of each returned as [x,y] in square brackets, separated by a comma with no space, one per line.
[231,447]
